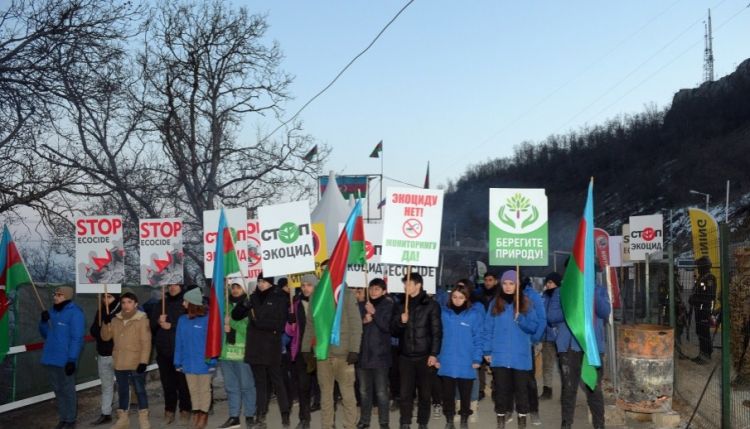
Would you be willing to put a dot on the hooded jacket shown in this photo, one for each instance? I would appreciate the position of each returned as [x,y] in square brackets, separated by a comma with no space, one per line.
[132,340]
[462,341]
[190,346]
[104,348]
[422,335]
[63,334]
[267,314]
[541,315]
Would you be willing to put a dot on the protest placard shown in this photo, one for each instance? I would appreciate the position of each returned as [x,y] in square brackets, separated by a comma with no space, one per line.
[161,255]
[286,238]
[100,254]
[518,227]
[412,226]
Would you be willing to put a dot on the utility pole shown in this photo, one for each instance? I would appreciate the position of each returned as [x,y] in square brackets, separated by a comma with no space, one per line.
[708,53]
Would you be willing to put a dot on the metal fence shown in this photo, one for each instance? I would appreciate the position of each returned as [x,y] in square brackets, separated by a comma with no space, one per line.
[702,366]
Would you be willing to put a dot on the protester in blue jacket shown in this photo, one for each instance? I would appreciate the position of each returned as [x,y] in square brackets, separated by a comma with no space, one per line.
[549,349]
[536,338]
[190,355]
[507,348]
[461,352]
[63,328]
[571,356]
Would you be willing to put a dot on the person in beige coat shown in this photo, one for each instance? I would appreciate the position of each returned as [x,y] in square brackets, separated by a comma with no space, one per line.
[339,367]
[131,333]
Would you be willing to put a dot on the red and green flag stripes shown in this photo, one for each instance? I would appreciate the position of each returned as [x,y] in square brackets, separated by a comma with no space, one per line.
[225,263]
[14,274]
[577,292]
[330,291]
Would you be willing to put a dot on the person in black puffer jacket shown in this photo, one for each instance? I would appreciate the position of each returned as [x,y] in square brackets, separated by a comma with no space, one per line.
[104,356]
[267,310]
[420,333]
[163,332]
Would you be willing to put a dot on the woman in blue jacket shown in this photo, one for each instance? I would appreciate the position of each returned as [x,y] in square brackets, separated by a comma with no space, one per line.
[189,355]
[571,356]
[507,348]
[460,354]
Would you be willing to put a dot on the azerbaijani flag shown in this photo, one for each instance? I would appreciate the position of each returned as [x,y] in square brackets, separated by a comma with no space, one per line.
[225,263]
[577,292]
[349,249]
[14,273]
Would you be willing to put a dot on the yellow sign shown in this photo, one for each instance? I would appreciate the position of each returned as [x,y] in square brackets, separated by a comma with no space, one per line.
[706,243]
[320,252]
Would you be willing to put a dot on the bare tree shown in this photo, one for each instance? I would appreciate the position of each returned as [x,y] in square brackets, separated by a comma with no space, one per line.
[41,41]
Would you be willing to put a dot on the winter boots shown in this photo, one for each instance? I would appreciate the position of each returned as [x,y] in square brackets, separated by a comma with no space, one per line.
[501,421]
[522,421]
[123,420]
[143,422]
[168,417]
[546,393]
[464,422]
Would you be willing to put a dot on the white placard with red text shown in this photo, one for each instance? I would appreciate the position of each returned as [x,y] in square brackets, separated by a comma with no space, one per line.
[411,227]
[100,254]
[254,259]
[162,258]
[237,221]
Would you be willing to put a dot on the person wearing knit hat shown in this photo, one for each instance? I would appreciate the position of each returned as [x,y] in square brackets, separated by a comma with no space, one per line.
[507,347]
[301,331]
[108,305]
[552,281]
[189,355]
[63,328]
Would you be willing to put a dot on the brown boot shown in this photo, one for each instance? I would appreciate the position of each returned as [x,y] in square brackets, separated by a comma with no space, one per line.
[123,420]
[202,420]
[143,422]
[168,417]
[193,420]
[185,418]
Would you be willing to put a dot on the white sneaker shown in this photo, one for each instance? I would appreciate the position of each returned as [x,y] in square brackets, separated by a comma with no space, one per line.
[437,411]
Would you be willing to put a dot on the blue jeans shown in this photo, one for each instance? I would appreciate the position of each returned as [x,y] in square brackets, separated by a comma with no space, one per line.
[64,387]
[377,379]
[240,386]
[123,388]
[107,376]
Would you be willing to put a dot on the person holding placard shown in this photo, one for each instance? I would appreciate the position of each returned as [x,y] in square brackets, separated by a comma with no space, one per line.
[267,312]
[375,354]
[109,305]
[419,328]
[190,355]
[507,348]
[461,353]
[62,328]
[129,329]
[238,377]
[163,318]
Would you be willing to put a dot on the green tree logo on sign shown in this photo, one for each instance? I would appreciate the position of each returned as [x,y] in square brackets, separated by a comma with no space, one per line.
[289,232]
[518,212]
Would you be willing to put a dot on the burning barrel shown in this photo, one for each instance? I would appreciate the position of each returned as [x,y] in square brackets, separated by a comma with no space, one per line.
[645,368]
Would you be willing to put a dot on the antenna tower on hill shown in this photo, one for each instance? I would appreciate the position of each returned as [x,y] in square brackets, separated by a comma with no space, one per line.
[708,54]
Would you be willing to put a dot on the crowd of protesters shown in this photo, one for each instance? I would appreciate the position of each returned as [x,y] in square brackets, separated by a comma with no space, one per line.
[442,351]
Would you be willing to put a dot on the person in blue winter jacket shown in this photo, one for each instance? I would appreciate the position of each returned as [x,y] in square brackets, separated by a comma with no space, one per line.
[190,352]
[549,348]
[571,356]
[507,347]
[63,328]
[461,353]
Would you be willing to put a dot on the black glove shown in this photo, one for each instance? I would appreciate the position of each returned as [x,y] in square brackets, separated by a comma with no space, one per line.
[231,336]
[45,316]
[352,358]
[291,318]
[141,368]
[107,318]
[70,368]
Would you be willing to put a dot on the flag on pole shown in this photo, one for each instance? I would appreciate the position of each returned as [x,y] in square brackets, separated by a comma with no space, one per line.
[577,292]
[225,263]
[310,155]
[326,310]
[378,148]
[427,177]
[14,274]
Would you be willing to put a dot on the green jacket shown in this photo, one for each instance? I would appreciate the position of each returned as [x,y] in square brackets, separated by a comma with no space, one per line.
[236,350]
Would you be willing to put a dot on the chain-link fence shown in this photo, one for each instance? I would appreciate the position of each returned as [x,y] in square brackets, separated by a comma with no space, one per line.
[697,308]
